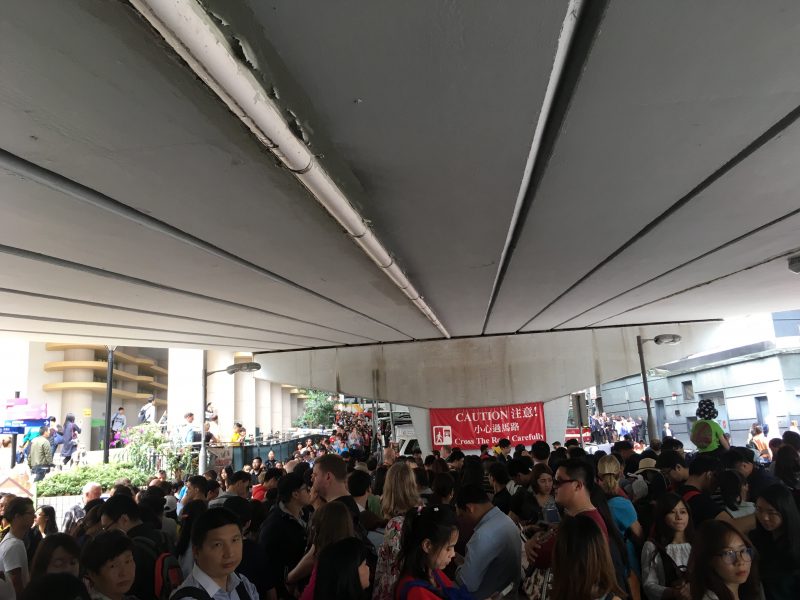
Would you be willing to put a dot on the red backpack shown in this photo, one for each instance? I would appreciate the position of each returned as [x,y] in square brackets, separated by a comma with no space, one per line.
[168,575]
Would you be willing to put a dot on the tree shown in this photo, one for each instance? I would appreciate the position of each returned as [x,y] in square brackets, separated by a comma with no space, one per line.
[319,410]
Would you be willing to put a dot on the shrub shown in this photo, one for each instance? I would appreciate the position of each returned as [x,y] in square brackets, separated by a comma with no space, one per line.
[148,448]
[70,483]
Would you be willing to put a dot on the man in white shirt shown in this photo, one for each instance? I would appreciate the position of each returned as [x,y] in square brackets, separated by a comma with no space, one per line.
[120,421]
[19,513]
[217,547]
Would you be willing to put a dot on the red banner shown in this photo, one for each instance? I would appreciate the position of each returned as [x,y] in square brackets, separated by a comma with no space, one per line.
[469,428]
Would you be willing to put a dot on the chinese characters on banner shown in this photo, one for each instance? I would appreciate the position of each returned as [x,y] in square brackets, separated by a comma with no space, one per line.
[468,428]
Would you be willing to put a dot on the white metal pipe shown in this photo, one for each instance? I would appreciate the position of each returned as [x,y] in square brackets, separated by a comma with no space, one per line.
[190,31]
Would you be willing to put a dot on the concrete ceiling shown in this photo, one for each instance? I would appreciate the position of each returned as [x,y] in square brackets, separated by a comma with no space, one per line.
[137,208]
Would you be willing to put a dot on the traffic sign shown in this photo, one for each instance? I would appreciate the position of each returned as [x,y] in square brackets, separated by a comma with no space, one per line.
[12,430]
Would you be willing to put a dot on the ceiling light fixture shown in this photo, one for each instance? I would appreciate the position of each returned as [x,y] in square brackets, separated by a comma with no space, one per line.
[190,31]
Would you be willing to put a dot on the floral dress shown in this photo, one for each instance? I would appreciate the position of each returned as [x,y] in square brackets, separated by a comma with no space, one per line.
[387,570]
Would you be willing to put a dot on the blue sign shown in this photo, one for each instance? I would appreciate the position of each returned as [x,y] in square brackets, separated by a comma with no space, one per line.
[30,423]
[12,430]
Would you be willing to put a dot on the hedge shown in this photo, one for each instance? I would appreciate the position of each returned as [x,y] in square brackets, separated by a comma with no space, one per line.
[70,483]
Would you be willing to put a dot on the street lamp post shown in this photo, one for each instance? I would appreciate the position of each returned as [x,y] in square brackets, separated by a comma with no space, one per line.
[245,367]
[666,338]
[109,390]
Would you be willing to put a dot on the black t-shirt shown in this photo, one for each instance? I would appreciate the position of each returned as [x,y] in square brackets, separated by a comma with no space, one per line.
[700,503]
[252,566]
[502,500]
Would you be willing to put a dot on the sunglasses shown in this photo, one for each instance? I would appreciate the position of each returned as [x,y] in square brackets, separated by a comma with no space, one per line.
[559,482]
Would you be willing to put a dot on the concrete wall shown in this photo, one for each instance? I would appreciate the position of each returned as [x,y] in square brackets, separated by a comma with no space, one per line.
[479,371]
[773,377]
[13,368]
[185,385]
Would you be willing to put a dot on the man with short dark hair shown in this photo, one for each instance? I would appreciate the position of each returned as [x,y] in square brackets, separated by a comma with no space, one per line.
[502,450]
[253,556]
[121,512]
[217,543]
[624,449]
[196,489]
[283,534]
[256,468]
[696,494]
[540,451]
[758,478]
[239,484]
[455,460]
[673,466]
[41,456]
[119,422]
[493,554]
[187,436]
[672,443]
[19,512]
[498,479]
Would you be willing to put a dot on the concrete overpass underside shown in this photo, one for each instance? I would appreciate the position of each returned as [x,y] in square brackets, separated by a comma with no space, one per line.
[350,184]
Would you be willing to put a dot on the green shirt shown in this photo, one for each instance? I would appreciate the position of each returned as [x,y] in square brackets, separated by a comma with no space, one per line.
[716,434]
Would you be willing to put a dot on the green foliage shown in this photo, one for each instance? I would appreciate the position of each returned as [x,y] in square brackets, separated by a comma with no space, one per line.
[70,483]
[319,410]
[150,449]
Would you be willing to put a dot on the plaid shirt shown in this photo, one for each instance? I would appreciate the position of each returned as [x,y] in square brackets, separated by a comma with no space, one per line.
[72,516]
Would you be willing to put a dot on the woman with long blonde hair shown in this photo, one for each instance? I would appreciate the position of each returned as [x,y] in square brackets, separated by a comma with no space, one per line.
[609,470]
[400,494]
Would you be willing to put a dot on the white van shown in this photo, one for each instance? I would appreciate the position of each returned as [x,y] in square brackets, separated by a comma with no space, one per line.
[406,439]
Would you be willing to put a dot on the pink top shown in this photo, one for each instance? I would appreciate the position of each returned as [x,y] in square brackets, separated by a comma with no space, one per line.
[308,591]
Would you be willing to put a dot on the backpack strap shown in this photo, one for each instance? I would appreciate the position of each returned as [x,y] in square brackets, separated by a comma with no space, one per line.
[689,495]
[241,590]
[196,593]
[409,585]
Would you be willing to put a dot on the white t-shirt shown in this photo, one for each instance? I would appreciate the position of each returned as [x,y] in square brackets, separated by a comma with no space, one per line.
[13,556]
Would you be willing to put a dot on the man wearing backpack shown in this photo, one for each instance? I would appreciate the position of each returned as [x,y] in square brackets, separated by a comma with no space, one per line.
[217,546]
[147,414]
[696,494]
[154,578]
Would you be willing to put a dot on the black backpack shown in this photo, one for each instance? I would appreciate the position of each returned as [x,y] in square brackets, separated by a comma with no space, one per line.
[197,593]
[168,575]
[142,414]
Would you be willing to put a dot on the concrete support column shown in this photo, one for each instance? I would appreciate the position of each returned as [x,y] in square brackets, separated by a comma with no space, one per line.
[293,408]
[244,400]
[276,406]
[263,405]
[286,412]
[221,390]
[185,385]
[79,402]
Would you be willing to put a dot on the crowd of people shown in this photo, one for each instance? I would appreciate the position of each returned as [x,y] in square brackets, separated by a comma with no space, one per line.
[333,521]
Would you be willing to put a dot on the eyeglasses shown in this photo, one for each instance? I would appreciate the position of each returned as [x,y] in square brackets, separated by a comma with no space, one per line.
[730,556]
[559,482]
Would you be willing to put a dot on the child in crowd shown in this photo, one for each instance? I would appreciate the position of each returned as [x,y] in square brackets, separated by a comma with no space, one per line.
[108,565]
[427,546]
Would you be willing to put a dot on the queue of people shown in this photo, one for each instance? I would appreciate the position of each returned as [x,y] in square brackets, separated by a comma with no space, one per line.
[333,521]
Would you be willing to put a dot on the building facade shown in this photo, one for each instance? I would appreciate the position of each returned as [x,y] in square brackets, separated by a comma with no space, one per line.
[754,383]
